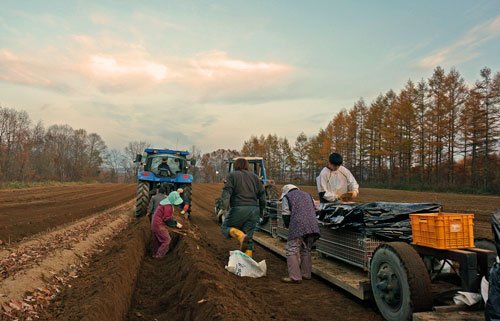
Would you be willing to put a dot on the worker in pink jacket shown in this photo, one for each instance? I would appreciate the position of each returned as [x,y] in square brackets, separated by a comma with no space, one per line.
[163,216]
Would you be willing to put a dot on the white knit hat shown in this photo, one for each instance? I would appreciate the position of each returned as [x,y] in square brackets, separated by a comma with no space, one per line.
[287,188]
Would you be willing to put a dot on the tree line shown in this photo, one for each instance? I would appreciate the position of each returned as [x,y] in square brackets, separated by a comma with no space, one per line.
[32,153]
[440,133]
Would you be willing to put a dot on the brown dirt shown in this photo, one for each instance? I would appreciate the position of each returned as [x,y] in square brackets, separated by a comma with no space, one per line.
[28,265]
[176,288]
[190,283]
[24,212]
[103,290]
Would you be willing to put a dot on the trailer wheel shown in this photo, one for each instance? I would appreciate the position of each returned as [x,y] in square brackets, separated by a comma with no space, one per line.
[400,282]
[141,199]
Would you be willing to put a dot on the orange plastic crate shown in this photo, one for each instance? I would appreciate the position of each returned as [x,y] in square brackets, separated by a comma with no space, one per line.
[443,230]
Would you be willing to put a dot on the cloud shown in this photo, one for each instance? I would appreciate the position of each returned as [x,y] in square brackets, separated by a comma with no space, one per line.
[25,71]
[465,48]
[217,64]
[402,52]
[216,76]
[106,66]
[106,63]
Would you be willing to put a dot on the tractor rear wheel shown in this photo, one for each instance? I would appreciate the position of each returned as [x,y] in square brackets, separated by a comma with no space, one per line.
[142,199]
[400,282]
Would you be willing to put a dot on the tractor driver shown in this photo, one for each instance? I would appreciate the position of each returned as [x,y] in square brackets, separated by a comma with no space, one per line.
[164,168]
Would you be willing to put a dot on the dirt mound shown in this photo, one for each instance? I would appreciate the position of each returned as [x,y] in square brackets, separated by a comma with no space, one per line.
[104,289]
[189,284]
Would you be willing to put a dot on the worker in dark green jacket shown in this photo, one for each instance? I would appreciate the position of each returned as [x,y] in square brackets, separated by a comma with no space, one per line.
[244,195]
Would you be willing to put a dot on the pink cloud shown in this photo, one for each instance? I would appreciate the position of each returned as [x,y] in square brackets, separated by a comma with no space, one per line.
[465,48]
[108,66]
[19,70]
[218,64]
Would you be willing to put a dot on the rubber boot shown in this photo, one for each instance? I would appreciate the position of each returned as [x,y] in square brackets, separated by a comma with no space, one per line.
[249,253]
[241,237]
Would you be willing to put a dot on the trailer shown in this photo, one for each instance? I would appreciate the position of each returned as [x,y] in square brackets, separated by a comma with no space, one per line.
[401,278]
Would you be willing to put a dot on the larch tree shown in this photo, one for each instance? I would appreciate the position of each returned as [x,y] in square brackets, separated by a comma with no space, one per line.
[300,155]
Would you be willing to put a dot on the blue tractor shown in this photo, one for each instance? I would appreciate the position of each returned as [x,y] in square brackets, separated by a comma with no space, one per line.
[162,167]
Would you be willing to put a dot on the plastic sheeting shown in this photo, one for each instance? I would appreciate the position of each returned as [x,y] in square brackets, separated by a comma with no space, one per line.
[495,224]
[492,309]
[386,220]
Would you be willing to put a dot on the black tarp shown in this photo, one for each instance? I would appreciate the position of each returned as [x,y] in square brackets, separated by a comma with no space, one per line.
[492,310]
[495,225]
[386,220]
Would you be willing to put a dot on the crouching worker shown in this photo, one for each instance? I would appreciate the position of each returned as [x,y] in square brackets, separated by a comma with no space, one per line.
[185,206]
[164,215]
[299,216]
[244,194]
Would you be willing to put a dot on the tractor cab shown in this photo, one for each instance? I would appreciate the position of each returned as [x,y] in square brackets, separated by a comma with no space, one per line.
[256,164]
[166,165]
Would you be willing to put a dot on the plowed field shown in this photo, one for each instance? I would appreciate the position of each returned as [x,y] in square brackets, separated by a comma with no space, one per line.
[116,279]
[24,212]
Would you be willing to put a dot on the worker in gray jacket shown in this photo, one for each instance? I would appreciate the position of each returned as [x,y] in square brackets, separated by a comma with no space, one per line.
[244,194]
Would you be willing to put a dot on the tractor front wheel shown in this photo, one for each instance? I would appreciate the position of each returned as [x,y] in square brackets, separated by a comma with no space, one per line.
[142,199]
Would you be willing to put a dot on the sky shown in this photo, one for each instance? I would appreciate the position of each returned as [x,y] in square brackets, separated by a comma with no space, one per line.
[213,73]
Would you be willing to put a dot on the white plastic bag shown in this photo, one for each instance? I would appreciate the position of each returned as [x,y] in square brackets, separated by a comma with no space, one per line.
[485,285]
[466,298]
[243,265]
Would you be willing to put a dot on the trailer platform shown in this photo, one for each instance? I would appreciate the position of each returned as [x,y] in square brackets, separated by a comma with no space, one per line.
[356,281]
[353,280]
